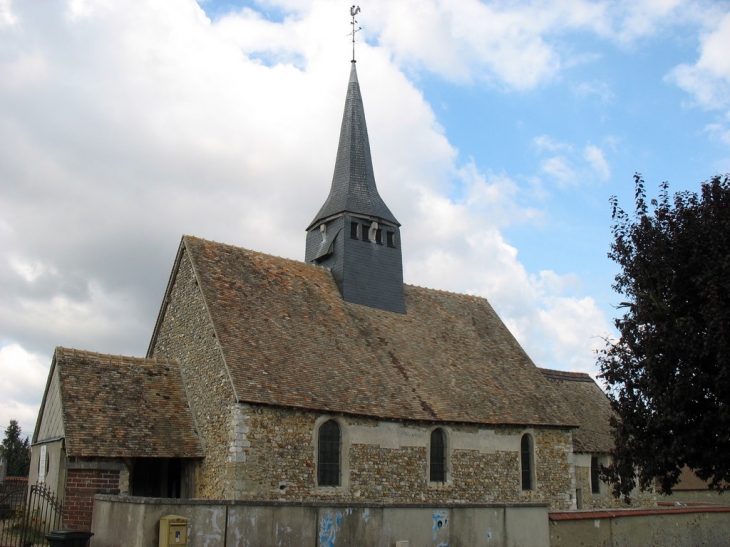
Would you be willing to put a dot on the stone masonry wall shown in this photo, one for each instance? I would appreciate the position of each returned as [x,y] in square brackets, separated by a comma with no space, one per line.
[605,499]
[388,461]
[81,486]
[187,335]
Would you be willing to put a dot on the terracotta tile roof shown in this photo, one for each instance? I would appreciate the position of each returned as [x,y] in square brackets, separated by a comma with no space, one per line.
[689,481]
[590,405]
[124,407]
[289,339]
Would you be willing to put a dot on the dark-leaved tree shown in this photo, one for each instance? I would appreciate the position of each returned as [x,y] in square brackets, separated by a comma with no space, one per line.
[669,373]
[16,451]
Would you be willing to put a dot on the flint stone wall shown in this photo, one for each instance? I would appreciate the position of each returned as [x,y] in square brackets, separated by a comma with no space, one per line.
[604,499]
[384,461]
[186,334]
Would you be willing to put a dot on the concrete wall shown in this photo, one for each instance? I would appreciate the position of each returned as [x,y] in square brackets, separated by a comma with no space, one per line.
[134,522]
[681,527]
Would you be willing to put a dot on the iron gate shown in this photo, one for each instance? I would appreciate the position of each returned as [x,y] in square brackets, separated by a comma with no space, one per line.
[27,514]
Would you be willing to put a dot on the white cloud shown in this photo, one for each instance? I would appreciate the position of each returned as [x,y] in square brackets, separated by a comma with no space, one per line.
[545,142]
[570,167]
[6,14]
[27,71]
[595,88]
[123,129]
[30,271]
[575,327]
[514,44]
[708,80]
[594,156]
[24,379]
[559,167]
[463,251]
[719,131]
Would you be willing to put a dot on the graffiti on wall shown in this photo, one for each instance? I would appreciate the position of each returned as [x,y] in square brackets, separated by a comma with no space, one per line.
[328,528]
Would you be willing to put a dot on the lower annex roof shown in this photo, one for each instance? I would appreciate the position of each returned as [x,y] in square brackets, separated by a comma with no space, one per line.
[118,406]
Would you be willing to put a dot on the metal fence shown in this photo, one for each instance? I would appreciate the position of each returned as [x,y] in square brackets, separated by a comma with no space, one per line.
[27,514]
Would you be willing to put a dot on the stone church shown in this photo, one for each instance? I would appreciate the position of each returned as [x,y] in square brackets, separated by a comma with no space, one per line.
[328,379]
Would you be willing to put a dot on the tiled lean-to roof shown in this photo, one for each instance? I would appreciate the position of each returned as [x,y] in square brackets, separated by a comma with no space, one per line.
[589,404]
[288,338]
[124,407]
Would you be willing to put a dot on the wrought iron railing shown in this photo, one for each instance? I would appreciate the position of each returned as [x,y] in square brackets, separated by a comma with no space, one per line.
[27,514]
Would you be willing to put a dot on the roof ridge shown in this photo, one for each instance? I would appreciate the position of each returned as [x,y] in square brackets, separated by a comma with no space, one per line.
[113,358]
[566,375]
[465,296]
[446,291]
[252,251]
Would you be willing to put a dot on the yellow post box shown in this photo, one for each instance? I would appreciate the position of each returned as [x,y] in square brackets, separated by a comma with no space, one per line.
[173,531]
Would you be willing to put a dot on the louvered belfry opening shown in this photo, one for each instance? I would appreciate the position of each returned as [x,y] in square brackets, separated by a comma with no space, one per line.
[328,454]
[437,471]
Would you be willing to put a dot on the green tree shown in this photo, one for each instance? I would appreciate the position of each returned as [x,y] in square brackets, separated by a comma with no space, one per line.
[17,452]
[669,373]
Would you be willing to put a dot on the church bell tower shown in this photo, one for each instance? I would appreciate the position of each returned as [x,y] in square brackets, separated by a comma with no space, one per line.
[354,234]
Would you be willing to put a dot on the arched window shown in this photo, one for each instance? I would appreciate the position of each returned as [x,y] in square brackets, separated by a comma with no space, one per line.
[526,461]
[595,476]
[437,469]
[328,454]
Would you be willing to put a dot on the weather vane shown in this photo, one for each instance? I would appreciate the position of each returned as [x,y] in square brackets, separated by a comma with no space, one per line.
[354,10]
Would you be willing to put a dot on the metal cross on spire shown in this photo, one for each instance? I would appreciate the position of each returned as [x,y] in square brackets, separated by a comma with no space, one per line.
[354,10]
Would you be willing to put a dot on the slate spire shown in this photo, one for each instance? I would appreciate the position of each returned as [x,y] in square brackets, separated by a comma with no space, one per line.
[353,184]
[354,234]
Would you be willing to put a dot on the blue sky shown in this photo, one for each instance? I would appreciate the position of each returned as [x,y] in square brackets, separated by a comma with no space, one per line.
[499,132]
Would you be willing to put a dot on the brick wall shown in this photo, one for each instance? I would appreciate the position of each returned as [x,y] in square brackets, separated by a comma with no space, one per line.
[81,486]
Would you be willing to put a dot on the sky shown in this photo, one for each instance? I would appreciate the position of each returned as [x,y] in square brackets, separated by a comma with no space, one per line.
[499,131]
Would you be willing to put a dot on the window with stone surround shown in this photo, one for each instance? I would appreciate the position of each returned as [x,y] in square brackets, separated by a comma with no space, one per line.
[595,476]
[527,462]
[329,442]
[437,464]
